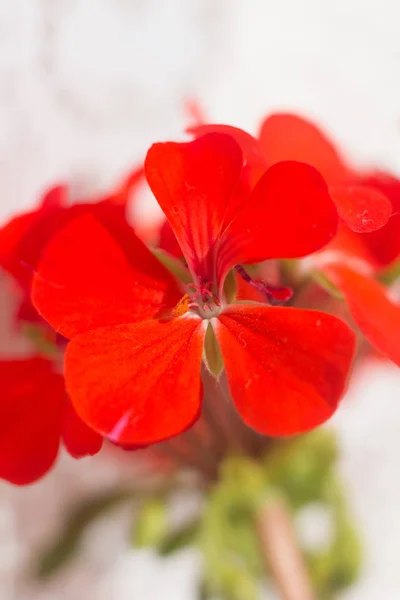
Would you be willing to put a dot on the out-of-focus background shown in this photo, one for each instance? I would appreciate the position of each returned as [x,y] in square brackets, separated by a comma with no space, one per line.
[85,87]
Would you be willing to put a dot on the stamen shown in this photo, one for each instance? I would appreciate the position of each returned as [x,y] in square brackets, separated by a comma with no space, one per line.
[202,300]
[183,306]
[208,294]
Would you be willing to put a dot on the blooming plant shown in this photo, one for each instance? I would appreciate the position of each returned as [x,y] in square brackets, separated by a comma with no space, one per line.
[136,341]
[210,347]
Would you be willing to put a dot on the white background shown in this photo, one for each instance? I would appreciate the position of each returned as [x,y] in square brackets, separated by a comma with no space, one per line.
[85,87]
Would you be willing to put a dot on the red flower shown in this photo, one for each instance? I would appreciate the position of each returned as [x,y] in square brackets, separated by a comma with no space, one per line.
[23,238]
[383,245]
[139,382]
[374,312]
[362,201]
[35,415]
[362,205]
[285,136]
[35,410]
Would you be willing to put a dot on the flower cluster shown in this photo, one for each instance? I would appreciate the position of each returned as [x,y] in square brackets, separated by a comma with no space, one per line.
[137,330]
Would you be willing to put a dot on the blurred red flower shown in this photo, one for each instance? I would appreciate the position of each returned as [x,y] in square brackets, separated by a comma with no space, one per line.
[35,410]
[35,415]
[363,206]
[23,238]
[374,312]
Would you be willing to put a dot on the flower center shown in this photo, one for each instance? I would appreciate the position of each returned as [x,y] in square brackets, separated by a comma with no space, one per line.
[203,301]
[200,300]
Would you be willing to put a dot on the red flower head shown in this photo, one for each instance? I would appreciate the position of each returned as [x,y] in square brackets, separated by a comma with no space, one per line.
[23,238]
[373,310]
[377,246]
[362,205]
[35,411]
[368,203]
[35,415]
[138,381]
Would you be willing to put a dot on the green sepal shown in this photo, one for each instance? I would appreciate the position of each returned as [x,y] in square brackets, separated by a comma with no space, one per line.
[391,274]
[327,285]
[230,287]
[212,353]
[173,265]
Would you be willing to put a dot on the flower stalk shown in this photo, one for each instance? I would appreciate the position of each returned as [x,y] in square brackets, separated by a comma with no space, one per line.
[281,552]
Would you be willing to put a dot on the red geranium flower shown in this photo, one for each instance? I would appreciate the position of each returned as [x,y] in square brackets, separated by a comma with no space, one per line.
[286,136]
[34,409]
[363,203]
[139,382]
[376,314]
[23,238]
[35,415]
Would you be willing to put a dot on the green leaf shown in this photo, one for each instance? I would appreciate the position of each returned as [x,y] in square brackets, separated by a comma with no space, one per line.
[335,566]
[300,467]
[227,537]
[151,524]
[60,551]
[186,535]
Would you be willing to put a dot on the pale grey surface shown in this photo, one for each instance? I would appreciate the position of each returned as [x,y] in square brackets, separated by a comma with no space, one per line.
[85,87]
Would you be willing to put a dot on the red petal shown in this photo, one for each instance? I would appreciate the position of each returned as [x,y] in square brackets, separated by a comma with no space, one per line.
[363,208]
[284,136]
[384,244]
[376,315]
[139,383]
[56,197]
[352,244]
[24,237]
[122,195]
[289,214]
[11,235]
[250,146]
[195,184]
[27,312]
[195,111]
[168,241]
[79,439]
[86,279]
[32,401]
[286,367]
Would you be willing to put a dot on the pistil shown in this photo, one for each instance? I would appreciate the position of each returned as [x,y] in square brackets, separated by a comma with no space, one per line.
[275,295]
